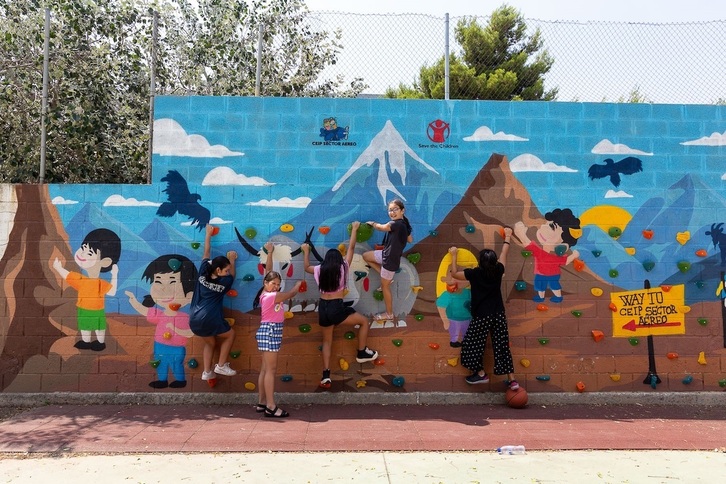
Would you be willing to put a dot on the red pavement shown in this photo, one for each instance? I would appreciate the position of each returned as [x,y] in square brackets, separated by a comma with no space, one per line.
[228,428]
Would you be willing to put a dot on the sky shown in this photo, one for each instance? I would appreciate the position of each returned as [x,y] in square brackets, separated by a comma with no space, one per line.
[663,11]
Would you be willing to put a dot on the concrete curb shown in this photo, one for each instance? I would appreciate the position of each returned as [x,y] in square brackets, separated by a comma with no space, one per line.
[378,398]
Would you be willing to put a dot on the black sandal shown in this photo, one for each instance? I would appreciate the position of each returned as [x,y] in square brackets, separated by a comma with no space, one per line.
[260,407]
[272,413]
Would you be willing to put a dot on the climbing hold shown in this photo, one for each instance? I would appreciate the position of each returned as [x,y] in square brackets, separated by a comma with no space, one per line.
[687,380]
[470,229]
[648,265]
[578,264]
[542,377]
[342,249]
[702,321]
[174,306]
[363,233]
[615,376]
[289,315]
[304,328]
[250,233]
[175,264]
[416,289]
[615,232]
[286,378]
[360,384]
[286,228]
[398,381]
[230,321]
[684,309]
[452,361]
[167,335]
[612,307]
[613,273]
[722,383]
[653,381]
[451,287]
[576,233]
[648,234]
[344,365]
[397,342]
[434,346]
[433,233]
[702,358]
[701,253]
[419,317]
[324,229]
[596,291]
[196,245]
[248,278]
[633,341]
[250,386]
[414,258]
[543,341]
[580,386]
[155,363]
[192,363]
[501,232]
[215,231]
[683,237]
[526,253]
[597,253]
[378,295]
[235,354]
[349,335]
[542,307]
[700,284]
[232,293]
[684,266]
[303,286]
[520,285]
[525,362]
[630,250]
[379,362]
[560,249]
[672,356]
[665,287]
[597,335]
[576,313]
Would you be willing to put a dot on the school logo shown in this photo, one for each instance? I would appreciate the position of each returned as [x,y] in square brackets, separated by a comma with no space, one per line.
[333,134]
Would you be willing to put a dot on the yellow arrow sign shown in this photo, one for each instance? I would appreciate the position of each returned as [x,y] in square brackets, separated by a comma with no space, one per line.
[655,311]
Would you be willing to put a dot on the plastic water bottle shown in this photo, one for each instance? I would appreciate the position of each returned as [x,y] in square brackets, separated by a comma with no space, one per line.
[511,449]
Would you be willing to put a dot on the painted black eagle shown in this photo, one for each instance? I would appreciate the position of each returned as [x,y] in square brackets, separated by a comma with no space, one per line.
[181,201]
[626,166]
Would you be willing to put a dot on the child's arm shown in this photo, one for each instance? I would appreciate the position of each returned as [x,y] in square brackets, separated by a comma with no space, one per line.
[351,243]
[232,256]
[62,271]
[269,248]
[208,241]
[114,280]
[382,227]
[306,258]
[140,308]
[505,246]
[455,272]
[283,296]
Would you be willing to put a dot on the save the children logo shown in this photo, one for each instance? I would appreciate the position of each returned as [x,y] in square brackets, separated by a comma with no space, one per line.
[438,131]
[333,134]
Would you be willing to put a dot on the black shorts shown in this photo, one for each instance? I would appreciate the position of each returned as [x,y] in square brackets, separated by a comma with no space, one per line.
[332,312]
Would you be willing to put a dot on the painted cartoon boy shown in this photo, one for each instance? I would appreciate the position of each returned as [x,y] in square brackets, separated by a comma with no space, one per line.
[172,279]
[556,236]
[99,252]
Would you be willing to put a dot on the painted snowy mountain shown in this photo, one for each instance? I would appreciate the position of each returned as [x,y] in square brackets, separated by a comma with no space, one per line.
[387,169]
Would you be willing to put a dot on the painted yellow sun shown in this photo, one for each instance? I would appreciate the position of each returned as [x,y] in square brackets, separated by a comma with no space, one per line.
[605,217]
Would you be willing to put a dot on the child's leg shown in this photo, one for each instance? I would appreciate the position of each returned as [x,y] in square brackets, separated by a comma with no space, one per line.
[362,321]
[225,346]
[370,259]
[208,351]
[500,344]
[387,296]
[269,359]
[327,345]
[261,395]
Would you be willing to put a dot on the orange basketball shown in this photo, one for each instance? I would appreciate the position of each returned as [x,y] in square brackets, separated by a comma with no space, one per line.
[517,398]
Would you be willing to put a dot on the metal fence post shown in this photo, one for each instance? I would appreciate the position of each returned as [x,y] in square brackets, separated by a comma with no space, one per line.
[258,74]
[44,106]
[446,56]
[152,91]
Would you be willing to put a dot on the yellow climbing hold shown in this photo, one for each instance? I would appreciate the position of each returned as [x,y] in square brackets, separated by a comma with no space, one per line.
[596,291]
[684,309]
[250,386]
[702,358]
[525,362]
[344,364]
[288,315]
[286,228]
[342,249]
[360,383]
[683,237]
[453,361]
[630,250]
[230,321]
[615,377]
[416,289]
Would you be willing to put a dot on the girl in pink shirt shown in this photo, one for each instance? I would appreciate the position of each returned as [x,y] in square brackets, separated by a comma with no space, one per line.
[269,335]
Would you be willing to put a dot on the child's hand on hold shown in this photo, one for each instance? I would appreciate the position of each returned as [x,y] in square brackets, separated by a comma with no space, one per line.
[297,286]
[452,251]
[232,256]
[305,247]
[269,247]
[210,230]
[507,232]
[355,225]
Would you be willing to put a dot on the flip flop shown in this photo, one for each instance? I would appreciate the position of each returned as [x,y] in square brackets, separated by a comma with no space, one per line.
[272,413]
[260,407]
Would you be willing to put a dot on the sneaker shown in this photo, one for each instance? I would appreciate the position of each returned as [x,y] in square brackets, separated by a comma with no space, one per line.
[224,370]
[326,382]
[513,385]
[455,344]
[365,355]
[475,379]
[208,375]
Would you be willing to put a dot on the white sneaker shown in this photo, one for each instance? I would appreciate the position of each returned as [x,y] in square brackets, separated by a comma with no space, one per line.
[224,370]
[208,375]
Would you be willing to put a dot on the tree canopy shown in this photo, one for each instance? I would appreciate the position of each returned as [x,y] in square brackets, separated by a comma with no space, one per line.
[100,74]
[498,61]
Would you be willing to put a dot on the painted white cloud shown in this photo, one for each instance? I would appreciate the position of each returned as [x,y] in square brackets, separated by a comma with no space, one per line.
[170,139]
[618,194]
[483,133]
[62,201]
[120,201]
[212,221]
[723,177]
[300,202]
[224,175]
[607,147]
[716,139]
[529,162]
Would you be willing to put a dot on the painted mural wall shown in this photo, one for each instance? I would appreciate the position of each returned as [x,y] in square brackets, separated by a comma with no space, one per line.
[614,281]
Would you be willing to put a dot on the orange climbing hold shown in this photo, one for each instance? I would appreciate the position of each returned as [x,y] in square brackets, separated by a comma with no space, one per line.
[542,307]
[672,356]
[597,335]
[613,307]
[580,386]
[578,264]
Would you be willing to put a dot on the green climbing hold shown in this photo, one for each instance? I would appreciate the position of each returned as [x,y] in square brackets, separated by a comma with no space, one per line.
[560,249]
[542,377]
[397,342]
[633,341]
[613,273]
[543,341]
[576,313]
[304,328]
[722,383]
[250,233]
[687,380]
[286,378]
[700,284]
[433,233]
[248,278]
[702,321]
[684,266]
[470,229]
[526,253]
[235,354]
[615,232]
[363,233]
[193,363]
[378,295]
[155,363]
[419,317]
[414,258]
[349,335]
[597,253]
[520,285]
[196,245]
[175,264]
[648,265]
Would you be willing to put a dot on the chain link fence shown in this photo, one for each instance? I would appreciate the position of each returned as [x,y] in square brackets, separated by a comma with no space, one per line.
[593,61]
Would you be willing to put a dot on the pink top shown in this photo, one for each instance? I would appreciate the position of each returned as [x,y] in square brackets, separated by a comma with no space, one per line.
[545,263]
[272,312]
[167,335]
[341,283]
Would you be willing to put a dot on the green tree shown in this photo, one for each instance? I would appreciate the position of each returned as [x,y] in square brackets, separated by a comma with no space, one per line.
[100,58]
[498,61]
